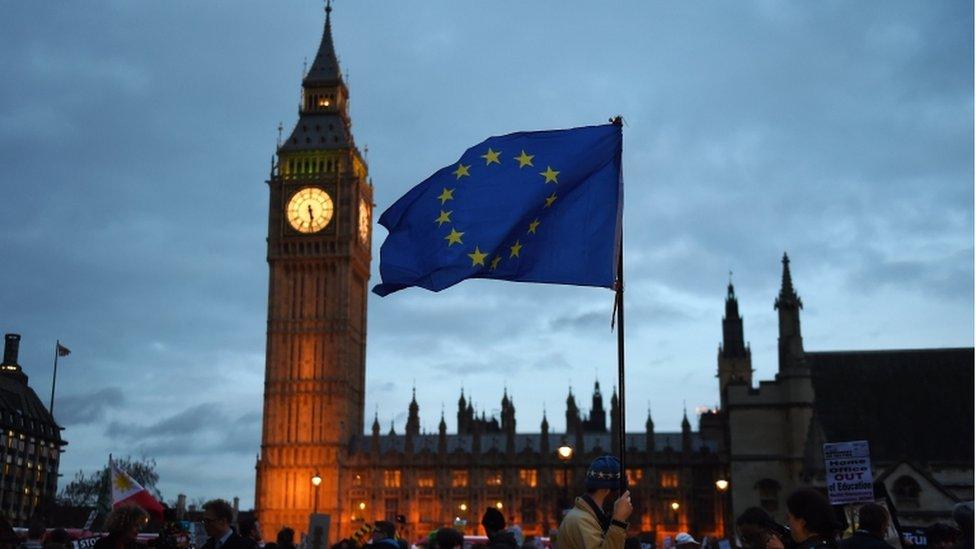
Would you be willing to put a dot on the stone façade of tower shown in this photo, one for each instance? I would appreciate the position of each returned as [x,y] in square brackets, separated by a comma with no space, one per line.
[734,355]
[319,223]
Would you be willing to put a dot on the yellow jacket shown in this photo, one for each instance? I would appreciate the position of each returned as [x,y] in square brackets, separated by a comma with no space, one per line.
[581,530]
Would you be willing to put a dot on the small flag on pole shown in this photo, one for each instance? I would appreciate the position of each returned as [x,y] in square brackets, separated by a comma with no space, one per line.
[63,351]
[125,490]
[528,207]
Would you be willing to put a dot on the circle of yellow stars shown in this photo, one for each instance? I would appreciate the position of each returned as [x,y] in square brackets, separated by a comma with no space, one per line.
[491,156]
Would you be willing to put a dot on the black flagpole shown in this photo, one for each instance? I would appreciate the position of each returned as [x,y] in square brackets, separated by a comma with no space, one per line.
[621,410]
[621,403]
[54,379]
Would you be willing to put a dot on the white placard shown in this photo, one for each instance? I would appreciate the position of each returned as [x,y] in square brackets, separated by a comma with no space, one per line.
[848,467]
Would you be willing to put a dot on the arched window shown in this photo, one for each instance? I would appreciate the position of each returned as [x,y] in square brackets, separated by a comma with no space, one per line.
[768,490]
[905,491]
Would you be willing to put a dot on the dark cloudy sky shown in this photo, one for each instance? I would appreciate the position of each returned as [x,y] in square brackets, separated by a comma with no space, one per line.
[135,138]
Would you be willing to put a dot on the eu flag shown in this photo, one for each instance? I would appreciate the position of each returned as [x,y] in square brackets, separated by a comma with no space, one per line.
[529,207]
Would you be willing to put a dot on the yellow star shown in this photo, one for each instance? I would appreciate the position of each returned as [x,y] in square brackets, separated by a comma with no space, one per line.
[461,171]
[524,159]
[515,249]
[445,217]
[533,225]
[454,237]
[477,257]
[448,194]
[550,175]
[122,483]
[550,200]
[491,156]
[495,262]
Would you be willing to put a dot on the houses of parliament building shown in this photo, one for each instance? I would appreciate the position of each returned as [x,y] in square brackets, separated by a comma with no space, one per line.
[314,426]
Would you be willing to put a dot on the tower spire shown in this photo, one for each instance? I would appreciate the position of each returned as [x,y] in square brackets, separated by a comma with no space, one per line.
[325,66]
[789,304]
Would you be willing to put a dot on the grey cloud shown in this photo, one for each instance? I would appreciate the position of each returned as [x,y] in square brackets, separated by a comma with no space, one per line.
[92,407]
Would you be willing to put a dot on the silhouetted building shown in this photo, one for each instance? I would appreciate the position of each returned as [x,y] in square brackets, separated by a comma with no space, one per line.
[30,441]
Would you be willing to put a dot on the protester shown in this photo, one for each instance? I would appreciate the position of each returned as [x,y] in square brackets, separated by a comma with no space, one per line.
[493,521]
[8,537]
[384,535]
[35,536]
[586,525]
[250,529]
[962,513]
[448,538]
[811,518]
[58,539]
[123,524]
[285,539]
[217,516]
[872,525]
[684,541]
[758,530]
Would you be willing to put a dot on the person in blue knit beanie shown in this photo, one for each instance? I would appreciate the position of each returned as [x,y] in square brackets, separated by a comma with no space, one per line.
[586,525]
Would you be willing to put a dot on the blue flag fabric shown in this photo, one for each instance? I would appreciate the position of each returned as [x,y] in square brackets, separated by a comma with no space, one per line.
[530,207]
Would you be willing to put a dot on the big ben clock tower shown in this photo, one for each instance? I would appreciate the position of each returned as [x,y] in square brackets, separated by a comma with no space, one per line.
[319,257]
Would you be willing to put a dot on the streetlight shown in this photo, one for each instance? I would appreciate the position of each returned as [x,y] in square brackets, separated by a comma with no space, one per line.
[722,484]
[498,505]
[316,481]
[675,506]
[565,455]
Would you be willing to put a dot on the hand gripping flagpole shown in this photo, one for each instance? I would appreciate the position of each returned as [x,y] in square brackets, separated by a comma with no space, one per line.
[619,306]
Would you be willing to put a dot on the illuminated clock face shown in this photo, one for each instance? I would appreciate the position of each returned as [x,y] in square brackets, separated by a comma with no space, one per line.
[363,221]
[309,210]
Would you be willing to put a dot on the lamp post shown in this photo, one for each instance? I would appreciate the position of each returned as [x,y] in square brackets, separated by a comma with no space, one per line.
[316,481]
[565,455]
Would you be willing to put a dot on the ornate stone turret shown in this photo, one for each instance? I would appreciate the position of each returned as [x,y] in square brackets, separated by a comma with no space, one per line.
[685,434]
[649,432]
[413,416]
[508,422]
[374,443]
[544,437]
[734,355]
[597,421]
[462,414]
[442,435]
[614,422]
[789,304]
[572,413]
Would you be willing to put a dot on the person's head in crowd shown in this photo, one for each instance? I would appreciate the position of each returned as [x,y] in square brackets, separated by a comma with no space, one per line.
[873,519]
[684,540]
[36,530]
[58,539]
[810,514]
[286,537]
[448,538]
[217,517]
[758,530]
[492,521]
[962,513]
[250,529]
[126,521]
[384,529]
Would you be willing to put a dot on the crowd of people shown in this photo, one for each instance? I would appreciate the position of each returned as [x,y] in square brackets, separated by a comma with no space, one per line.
[597,520]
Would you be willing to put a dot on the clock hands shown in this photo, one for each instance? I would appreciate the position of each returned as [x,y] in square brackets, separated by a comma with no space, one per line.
[311,216]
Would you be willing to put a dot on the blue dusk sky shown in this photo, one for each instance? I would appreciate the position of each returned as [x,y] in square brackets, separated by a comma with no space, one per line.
[135,139]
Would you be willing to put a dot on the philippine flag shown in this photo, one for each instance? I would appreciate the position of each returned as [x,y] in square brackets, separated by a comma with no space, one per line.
[125,491]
